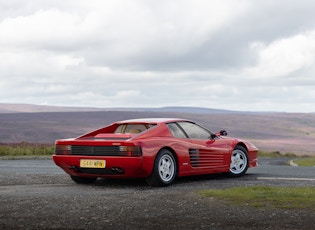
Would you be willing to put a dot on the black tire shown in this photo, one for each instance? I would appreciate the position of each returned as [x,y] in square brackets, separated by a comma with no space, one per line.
[239,162]
[164,169]
[83,180]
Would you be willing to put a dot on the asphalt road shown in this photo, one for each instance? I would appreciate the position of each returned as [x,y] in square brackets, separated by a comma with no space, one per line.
[268,168]
[36,194]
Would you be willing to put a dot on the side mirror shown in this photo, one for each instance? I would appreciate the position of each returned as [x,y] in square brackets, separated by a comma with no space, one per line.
[222,133]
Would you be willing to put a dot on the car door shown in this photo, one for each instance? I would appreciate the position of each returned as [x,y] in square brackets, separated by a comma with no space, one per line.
[207,151]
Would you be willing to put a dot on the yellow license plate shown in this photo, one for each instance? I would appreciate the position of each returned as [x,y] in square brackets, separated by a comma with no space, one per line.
[92,163]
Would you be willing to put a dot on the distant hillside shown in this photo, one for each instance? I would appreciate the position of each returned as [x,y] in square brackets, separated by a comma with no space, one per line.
[284,132]
[181,109]
[29,108]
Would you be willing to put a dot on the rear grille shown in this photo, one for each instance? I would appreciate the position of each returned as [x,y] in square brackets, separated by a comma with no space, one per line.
[95,150]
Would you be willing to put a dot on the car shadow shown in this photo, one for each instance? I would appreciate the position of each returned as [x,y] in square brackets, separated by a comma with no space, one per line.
[185,181]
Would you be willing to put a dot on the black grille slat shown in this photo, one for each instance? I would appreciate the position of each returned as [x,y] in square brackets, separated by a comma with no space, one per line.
[194,157]
[81,150]
[106,150]
[204,158]
[95,150]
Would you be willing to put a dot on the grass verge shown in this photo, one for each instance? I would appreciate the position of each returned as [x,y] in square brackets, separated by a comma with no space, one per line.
[298,159]
[275,154]
[267,196]
[25,149]
[305,161]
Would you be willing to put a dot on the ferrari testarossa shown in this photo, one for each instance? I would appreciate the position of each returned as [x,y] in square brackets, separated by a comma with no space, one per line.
[157,149]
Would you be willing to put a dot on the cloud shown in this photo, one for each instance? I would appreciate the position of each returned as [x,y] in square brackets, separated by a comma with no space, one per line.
[284,56]
[230,54]
[123,34]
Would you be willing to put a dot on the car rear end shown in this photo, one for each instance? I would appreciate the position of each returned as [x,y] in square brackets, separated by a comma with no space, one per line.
[111,155]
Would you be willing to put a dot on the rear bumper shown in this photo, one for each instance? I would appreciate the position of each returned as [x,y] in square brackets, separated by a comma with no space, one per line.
[124,167]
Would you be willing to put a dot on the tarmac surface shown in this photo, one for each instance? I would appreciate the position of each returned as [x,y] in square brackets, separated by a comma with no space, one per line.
[36,194]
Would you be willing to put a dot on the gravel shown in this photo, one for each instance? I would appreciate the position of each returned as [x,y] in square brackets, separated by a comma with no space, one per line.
[53,201]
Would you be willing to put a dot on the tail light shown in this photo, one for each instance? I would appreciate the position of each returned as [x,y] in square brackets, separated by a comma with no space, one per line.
[131,151]
[63,149]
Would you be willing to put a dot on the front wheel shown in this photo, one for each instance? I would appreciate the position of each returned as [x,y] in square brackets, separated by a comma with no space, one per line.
[83,180]
[239,162]
[164,169]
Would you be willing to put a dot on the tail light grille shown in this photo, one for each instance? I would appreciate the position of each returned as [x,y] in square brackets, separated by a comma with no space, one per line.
[80,150]
[95,150]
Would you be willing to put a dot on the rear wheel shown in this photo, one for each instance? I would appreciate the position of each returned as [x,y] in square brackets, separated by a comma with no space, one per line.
[164,169]
[239,162]
[83,180]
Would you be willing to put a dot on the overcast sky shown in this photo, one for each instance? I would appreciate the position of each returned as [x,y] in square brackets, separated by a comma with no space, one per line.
[226,54]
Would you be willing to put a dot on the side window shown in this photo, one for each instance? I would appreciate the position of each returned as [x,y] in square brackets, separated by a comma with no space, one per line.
[176,130]
[195,131]
[119,129]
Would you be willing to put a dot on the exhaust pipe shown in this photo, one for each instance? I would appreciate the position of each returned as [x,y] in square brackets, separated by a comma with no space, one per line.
[74,168]
[118,170]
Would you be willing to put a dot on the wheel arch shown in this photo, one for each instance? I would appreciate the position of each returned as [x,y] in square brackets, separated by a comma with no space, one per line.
[237,167]
[155,178]
[242,144]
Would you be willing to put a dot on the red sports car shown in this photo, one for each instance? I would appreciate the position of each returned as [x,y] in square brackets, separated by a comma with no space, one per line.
[157,149]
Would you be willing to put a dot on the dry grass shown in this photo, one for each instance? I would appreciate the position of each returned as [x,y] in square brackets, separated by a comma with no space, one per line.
[25,149]
[267,196]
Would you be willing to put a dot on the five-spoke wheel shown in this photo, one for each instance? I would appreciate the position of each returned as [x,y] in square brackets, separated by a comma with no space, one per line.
[164,169]
[239,162]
